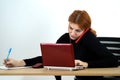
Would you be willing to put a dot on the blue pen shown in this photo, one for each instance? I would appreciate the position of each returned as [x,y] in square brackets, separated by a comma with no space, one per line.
[8,54]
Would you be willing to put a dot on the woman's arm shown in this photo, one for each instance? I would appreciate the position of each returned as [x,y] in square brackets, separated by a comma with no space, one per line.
[25,62]
[105,57]
[33,61]
[14,63]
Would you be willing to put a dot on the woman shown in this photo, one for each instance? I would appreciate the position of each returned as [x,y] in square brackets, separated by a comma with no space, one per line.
[88,51]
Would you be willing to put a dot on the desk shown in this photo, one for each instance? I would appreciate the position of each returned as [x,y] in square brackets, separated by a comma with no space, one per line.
[42,71]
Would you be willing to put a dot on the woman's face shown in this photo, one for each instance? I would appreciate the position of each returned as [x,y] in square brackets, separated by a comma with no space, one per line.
[74,31]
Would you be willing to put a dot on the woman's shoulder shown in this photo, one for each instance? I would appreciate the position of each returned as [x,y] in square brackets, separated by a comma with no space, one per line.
[65,35]
[89,36]
[64,38]
[89,39]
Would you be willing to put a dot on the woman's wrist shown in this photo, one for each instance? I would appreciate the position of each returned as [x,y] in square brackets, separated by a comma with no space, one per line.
[21,63]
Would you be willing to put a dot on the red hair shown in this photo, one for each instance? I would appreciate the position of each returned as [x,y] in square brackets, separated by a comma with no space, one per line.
[82,18]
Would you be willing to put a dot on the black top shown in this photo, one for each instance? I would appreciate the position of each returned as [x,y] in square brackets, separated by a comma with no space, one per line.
[88,49]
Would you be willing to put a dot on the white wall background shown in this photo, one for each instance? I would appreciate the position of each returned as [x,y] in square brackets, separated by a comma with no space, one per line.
[26,23]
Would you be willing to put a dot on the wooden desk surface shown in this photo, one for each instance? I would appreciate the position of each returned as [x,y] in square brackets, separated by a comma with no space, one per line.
[85,72]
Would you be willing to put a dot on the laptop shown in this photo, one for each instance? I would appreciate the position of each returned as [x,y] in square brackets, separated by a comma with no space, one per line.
[58,56]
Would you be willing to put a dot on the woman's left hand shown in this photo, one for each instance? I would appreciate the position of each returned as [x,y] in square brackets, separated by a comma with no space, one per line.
[79,62]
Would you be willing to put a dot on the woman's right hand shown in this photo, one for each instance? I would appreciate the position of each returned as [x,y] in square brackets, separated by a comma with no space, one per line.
[79,62]
[13,63]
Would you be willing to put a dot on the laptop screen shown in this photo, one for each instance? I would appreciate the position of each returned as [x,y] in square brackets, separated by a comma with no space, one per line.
[58,55]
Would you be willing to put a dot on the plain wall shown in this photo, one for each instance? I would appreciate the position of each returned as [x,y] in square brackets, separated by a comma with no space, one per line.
[24,24]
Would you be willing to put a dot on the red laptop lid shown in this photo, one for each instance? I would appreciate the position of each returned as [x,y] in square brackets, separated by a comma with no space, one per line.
[58,55]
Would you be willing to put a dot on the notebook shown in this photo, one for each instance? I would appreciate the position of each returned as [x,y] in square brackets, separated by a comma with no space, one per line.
[58,56]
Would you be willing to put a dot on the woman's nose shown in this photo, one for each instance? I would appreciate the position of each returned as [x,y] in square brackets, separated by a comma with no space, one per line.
[72,32]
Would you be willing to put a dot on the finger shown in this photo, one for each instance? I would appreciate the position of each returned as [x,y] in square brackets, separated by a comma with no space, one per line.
[77,62]
[9,65]
[4,61]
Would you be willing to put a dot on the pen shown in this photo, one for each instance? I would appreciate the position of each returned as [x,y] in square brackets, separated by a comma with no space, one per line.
[9,51]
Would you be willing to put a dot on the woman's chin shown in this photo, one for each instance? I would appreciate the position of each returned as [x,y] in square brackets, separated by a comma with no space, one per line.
[72,38]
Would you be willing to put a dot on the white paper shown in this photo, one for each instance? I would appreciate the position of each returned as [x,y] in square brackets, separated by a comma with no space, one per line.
[10,68]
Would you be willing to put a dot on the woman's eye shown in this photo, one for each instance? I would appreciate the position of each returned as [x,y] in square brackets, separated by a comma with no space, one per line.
[71,28]
[78,30]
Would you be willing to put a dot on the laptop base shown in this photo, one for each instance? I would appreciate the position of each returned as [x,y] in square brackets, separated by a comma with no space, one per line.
[64,68]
